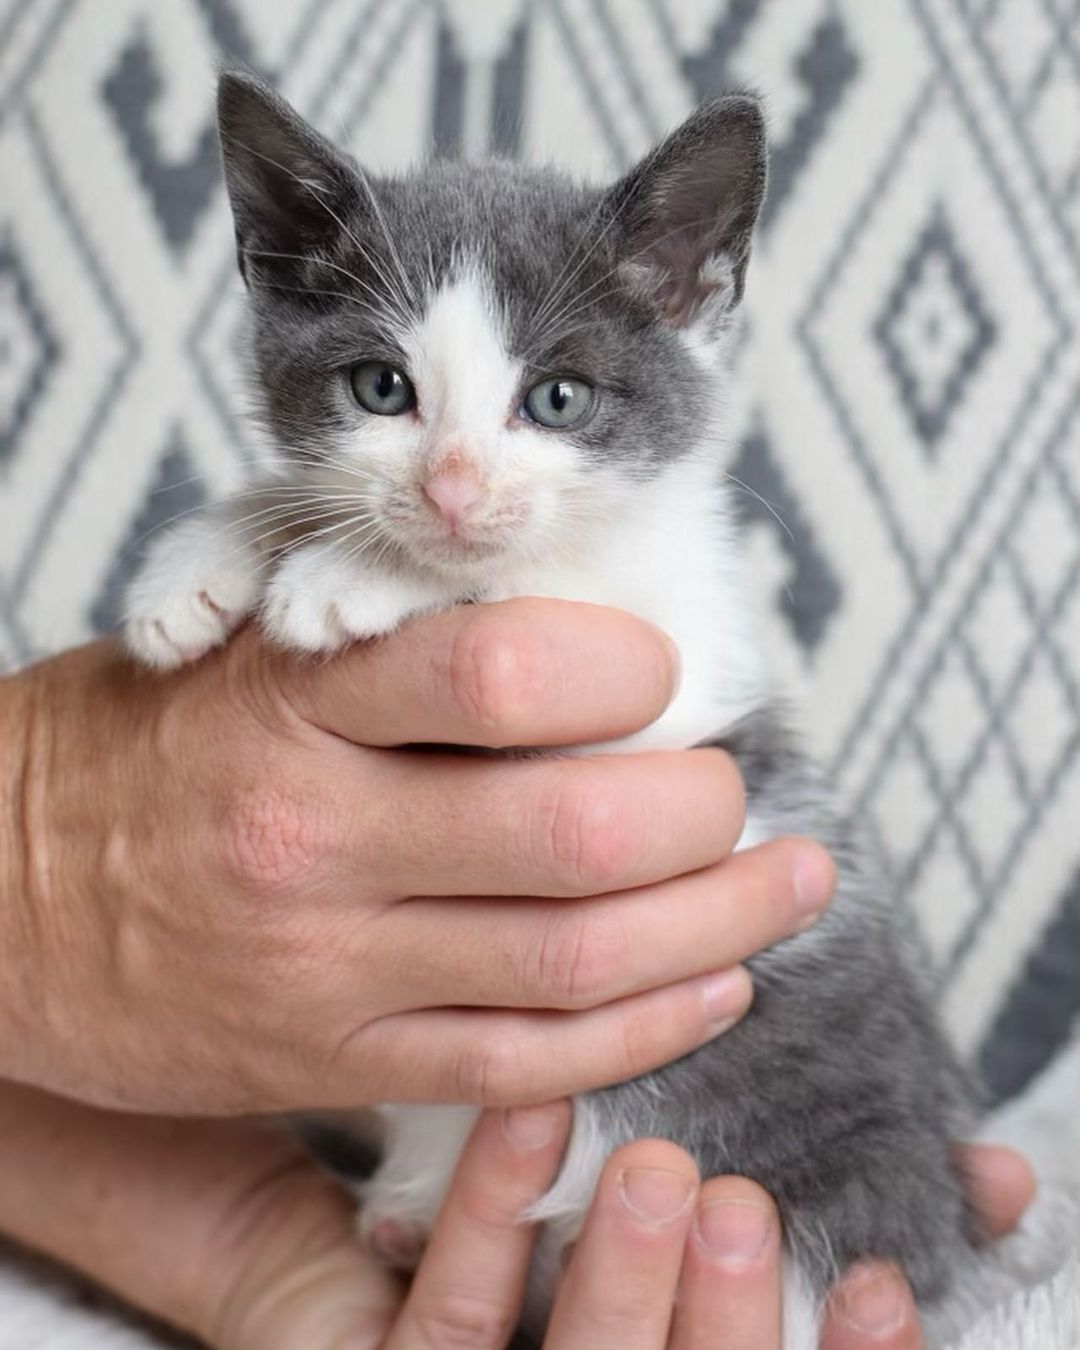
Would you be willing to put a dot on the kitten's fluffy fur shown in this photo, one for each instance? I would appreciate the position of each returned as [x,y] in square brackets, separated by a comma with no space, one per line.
[836,1092]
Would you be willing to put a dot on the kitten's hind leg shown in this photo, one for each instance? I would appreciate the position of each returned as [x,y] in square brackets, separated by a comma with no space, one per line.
[199,581]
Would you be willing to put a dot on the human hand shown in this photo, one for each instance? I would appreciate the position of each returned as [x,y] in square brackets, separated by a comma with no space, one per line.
[664,1262]
[232,896]
[230,1232]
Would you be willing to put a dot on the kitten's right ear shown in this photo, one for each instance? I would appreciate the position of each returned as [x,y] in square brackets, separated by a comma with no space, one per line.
[685,215]
[288,185]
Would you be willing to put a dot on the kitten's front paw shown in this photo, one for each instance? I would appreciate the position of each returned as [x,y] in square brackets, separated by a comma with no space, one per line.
[181,628]
[314,602]
[183,604]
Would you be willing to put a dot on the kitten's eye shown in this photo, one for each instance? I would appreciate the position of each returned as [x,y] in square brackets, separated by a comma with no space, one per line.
[558,403]
[382,389]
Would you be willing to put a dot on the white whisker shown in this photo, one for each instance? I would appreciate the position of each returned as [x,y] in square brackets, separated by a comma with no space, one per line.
[766,504]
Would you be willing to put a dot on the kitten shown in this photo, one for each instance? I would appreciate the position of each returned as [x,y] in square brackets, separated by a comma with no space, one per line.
[488,381]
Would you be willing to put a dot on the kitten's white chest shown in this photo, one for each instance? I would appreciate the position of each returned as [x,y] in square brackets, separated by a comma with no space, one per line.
[672,564]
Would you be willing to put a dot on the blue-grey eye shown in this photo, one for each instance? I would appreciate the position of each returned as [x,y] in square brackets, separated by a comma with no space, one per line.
[382,388]
[559,402]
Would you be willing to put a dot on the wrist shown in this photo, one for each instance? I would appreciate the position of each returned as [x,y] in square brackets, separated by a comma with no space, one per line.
[20,859]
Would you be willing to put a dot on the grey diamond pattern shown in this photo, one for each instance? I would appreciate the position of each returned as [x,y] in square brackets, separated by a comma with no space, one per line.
[904,442]
[934,330]
[813,592]
[28,350]
[175,491]
[824,67]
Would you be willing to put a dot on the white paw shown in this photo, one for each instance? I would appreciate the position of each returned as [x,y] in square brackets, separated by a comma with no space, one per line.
[181,628]
[190,595]
[316,603]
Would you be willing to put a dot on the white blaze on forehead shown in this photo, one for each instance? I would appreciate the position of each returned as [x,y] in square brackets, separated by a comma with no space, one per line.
[466,381]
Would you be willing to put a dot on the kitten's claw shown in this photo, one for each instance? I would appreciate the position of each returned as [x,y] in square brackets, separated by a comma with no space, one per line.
[195,587]
[171,630]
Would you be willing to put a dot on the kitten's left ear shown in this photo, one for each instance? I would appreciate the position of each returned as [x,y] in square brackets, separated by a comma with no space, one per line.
[288,185]
[684,216]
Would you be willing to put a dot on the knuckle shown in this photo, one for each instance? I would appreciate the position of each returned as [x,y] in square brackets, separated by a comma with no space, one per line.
[492,678]
[644,1040]
[459,1320]
[578,961]
[488,1072]
[491,1206]
[620,1323]
[592,840]
[271,837]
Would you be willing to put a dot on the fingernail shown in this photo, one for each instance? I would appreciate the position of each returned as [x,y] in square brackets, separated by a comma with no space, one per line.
[654,1195]
[814,878]
[724,997]
[873,1301]
[734,1232]
[531,1127]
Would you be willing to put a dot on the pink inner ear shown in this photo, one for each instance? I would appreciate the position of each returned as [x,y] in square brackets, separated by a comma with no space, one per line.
[680,291]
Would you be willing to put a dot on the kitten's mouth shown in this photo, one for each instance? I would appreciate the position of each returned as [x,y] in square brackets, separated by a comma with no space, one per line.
[460,538]
[459,547]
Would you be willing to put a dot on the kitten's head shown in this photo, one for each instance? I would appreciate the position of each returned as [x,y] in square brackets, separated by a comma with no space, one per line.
[491,359]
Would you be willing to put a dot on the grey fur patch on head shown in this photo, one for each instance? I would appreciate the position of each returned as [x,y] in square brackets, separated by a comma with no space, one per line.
[590,283]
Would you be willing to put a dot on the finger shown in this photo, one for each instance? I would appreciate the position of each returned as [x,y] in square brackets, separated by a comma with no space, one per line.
[548,827]
[500,1058]
[1000,1185]
[520,672]
[872,1308]
[471,1282]
[579,954]
[621,1281]
[729,1293]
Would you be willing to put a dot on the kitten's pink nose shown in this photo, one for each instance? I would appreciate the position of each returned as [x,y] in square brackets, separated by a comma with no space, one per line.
[452,490]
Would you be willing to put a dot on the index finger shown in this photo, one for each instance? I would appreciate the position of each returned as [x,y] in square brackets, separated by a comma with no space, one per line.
[517,672]
[471,1282]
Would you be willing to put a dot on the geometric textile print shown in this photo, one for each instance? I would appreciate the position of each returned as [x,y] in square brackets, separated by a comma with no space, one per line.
[905,443]
[934,330]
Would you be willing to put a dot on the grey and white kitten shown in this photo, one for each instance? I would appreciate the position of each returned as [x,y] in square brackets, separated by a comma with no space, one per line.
[486,381]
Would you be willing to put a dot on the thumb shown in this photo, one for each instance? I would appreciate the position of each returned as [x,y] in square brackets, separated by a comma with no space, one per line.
[513,672]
